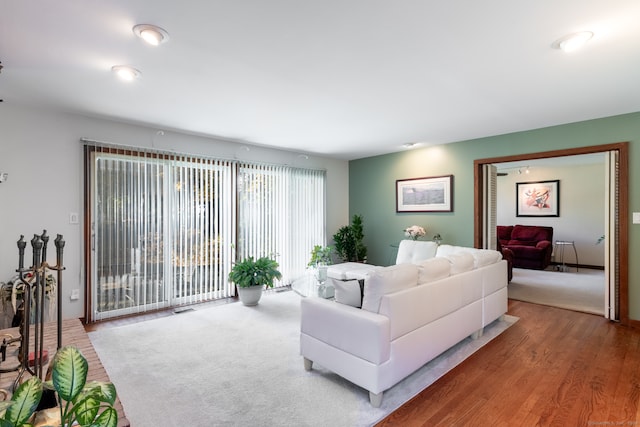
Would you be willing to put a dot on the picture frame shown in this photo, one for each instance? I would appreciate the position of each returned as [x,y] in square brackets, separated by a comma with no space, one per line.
[538,199]
[428,194]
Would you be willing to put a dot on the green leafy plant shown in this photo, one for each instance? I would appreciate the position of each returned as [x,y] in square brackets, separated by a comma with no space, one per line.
[320,255]
[23,403]
[349,241]
[86,405]
[250,272]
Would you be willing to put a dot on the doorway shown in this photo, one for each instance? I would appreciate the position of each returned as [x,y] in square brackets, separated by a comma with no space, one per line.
[618,249]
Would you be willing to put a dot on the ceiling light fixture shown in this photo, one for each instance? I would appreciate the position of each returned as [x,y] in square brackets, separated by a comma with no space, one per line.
[126,72]
[573,42]
[152,34]
[409,145]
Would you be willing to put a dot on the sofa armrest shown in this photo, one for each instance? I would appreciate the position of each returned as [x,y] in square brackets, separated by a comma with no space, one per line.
[358,332]
[543,244]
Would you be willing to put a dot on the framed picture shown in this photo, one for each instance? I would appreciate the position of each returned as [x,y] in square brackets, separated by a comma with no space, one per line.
[433,194]
[541,198]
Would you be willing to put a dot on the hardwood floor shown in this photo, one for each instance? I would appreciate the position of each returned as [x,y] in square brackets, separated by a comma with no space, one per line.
[553,367]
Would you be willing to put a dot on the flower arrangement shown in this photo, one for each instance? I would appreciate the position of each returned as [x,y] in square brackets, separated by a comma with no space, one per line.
[414,232]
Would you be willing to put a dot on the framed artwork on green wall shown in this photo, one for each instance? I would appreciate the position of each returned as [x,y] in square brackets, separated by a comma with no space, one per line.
[541,198]
[430,194]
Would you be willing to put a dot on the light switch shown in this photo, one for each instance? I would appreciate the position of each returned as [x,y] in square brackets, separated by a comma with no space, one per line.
[73,218]
[636,217]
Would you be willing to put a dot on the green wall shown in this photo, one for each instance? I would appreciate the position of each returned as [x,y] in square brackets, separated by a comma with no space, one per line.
[372,184]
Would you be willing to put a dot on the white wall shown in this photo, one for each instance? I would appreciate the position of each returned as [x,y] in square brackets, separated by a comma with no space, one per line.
[41,152]
[582,207]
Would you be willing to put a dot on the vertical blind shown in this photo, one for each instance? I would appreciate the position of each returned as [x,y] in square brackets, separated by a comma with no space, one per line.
[166,228]
[281,213]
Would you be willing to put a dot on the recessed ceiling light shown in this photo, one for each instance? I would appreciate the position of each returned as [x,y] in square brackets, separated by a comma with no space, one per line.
[410,145]
[573,42]
[152,34]
[126,72]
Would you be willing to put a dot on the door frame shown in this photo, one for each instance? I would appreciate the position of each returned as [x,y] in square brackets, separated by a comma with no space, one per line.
[621,244]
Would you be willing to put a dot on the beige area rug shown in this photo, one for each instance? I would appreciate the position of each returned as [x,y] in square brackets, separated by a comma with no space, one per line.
[579,291]
[231,365]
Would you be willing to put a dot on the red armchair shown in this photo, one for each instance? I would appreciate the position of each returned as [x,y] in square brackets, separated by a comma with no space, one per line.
[531,245]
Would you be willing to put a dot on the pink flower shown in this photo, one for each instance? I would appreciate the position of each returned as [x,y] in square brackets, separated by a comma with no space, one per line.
[414,232]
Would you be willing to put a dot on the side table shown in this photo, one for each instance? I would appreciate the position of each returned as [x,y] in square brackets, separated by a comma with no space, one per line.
[558,251]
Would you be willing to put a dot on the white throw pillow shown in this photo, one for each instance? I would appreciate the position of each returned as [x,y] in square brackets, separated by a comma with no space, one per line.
[433,269]
[348,292]
[461,262]
[385,281]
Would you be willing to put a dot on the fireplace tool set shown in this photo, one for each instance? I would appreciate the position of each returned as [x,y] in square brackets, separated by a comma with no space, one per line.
[31,354]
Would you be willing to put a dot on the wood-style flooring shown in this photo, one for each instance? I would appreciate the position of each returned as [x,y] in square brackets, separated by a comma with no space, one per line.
[554,367]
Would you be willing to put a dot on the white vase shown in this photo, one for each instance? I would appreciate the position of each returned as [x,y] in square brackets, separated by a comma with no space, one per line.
[251,295]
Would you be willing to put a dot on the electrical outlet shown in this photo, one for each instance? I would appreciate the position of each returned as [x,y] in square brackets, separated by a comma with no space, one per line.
[75,294]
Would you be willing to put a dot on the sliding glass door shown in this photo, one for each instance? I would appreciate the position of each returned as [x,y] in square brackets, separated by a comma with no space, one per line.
[165,229]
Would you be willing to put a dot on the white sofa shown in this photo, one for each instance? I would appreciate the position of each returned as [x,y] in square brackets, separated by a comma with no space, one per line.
[411,312]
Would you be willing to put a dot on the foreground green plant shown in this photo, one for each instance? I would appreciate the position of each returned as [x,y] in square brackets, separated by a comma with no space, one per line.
[88,405]
[22,405]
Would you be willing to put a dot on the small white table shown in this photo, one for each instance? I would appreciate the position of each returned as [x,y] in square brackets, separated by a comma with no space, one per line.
[558,251]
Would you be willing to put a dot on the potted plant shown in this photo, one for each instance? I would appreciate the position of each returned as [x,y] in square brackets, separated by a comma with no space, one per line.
[349,241]
[251,276]
[320,255]
[320,260]
[79,403]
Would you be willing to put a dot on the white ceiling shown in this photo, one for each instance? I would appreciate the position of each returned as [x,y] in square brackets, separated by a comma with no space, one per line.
[340,78]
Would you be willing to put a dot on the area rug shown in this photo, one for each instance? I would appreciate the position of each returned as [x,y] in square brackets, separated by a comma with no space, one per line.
[579,291]
[233,365]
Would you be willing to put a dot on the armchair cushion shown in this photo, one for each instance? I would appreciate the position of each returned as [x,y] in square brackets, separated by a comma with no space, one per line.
[530,235]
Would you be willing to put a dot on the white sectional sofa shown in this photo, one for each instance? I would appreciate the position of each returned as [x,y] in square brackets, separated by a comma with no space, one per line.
[411,312]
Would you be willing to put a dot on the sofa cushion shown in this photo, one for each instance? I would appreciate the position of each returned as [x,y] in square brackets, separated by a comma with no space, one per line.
[349,270]
[481,257]
[414,251]
[460,262]
[444,250]
[385,281]
[433,269]
[484,257]
[348,292]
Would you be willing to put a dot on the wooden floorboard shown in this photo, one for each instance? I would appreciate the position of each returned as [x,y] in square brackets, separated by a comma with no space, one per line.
[554,367]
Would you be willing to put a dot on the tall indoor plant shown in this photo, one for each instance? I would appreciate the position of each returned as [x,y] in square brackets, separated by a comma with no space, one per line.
[251,276]
[348,241]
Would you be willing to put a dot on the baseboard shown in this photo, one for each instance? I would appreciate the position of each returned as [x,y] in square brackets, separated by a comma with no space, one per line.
[635,324]
[586,266]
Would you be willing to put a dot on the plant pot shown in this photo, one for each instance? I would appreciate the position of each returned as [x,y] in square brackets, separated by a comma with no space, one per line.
[251,295]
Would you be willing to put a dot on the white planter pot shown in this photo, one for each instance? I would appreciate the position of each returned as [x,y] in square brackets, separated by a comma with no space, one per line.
[251,295]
